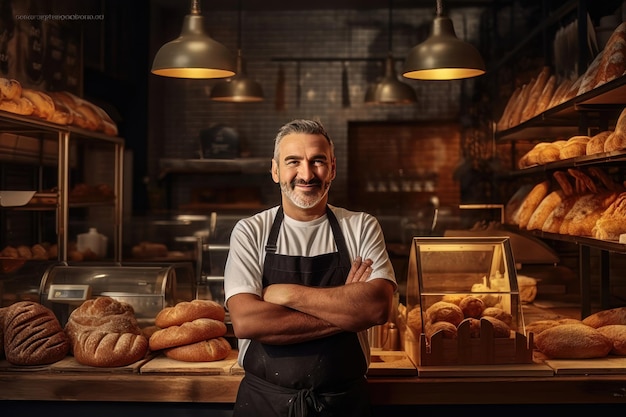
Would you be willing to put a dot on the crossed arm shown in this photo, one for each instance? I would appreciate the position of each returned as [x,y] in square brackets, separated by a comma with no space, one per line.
[291,313]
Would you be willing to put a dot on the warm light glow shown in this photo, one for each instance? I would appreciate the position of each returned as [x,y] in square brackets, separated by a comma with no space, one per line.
[444,73]
[193,73]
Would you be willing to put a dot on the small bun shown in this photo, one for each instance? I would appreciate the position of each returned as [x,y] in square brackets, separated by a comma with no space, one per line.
[444,311]
[472,307]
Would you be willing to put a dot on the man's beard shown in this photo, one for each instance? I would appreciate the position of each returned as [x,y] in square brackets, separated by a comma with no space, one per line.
[304,200]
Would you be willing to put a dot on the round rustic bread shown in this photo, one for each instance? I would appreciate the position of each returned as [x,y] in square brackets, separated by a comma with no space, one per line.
[448,330]
[33,335]
[498,313]
[187,333]
[500,328]
[573,341]
[472,307]
[104,333]
[204,351]
[186,311]
[444,311]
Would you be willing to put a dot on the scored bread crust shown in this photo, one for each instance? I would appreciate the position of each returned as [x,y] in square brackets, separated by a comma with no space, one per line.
[187,333]
[606,317]
[186,311]
[204,351]
[104,332]
[33,335]
[573,341]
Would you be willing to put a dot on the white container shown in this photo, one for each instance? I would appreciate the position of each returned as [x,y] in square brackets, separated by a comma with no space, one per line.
[93,241]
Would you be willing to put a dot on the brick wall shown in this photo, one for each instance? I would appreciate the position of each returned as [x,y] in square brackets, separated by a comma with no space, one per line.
[273,42]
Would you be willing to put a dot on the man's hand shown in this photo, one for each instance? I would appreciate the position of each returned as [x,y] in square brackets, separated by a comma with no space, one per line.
[360,270]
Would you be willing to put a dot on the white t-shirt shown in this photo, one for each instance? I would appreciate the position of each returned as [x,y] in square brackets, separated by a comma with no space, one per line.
[244,266]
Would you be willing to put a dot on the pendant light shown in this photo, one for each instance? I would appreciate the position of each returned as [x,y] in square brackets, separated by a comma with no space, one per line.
[240,88]
[443,56]
[194,54]
[390,90]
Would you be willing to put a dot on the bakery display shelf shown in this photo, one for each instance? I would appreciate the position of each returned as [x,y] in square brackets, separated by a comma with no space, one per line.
[28,125]
[606,245]
[564,120]
[604,158]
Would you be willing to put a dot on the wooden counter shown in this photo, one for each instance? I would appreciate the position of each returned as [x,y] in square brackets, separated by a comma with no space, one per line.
[408,390]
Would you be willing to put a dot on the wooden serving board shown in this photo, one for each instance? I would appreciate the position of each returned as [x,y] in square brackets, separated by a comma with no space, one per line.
[607,365]
[506,370]
[69,364]
[390,363]
[6,366]
[161,364]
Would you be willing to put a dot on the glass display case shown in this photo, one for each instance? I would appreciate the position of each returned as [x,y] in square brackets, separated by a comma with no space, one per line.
[466,282]
[147,287]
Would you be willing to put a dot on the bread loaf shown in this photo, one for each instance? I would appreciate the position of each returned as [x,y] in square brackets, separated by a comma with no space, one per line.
[560,93]
[575,146]
[613,57]
[543,210]
[414,321]
[588,79]
[447,329]
[606,317]
[503,123]
[530,203]
[187,333]
[531,106]
[511,209]
[444,311]
[204,351]
[189,311]
[616,333]
[33,335]
[104,332]
[616,141]
[573,341]
[611,223]
[43,105]
[596,143]
[19,105]
[10,89]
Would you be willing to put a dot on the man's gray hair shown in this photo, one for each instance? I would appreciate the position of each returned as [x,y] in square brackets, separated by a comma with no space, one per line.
[309,127]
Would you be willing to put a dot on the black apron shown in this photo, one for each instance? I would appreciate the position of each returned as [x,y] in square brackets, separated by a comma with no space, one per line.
[323,377]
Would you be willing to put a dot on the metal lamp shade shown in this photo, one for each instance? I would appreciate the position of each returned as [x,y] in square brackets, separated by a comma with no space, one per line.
[443,56]
[390,90]
[194,54]
[239,89]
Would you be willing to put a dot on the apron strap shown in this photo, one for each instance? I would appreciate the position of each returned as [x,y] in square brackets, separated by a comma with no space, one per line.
[270,245]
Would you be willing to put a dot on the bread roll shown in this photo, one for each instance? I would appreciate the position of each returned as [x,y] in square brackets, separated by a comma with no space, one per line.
[414,320]
[187,333]
[500,328]
[204,351]
[573,341]
[499,314]
[472,307]
[444,311]
[33,335]
[616,333]
[104,332]
[606,317]
[447,329]
[189,311]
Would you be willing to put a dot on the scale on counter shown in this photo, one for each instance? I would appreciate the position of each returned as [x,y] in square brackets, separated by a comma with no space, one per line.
[69,293]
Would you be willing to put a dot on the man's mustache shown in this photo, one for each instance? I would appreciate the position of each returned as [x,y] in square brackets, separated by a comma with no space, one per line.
[313,181]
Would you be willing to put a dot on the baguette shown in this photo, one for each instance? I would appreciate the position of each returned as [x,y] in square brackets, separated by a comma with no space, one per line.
[189,311]
[187,333]
[204,351]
